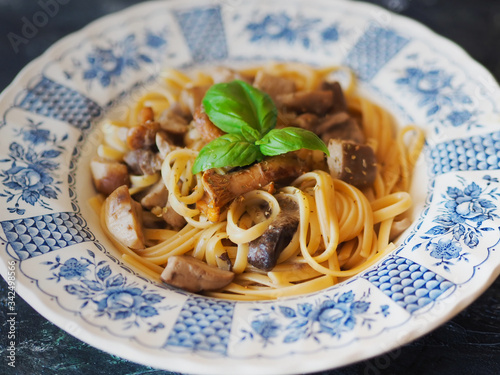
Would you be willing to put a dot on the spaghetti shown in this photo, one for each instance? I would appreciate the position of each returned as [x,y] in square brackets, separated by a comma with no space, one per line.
[341,229]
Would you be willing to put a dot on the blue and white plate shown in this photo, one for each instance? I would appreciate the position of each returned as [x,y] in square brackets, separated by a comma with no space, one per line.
[68,271]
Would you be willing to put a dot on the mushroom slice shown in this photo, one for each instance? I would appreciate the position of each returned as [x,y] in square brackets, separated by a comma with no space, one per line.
[201,130]
[339,102]
[273,85]
[191,97]
[108,174]
[308,121]
[194,275]
[172,218]
[318,102]
[123,217]
[340,126]
[207,129]
[156,196]
[143,162]
[352,162]
[142,136]
[265,250]
[164,144]
[173,121]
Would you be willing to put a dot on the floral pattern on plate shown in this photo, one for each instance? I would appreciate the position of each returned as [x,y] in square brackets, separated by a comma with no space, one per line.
[464,216]
[444,100]
[335,316]
[109,295]
[456,236]
[307,31]
[94,286]
[32,174]
[106,64]
[331,319]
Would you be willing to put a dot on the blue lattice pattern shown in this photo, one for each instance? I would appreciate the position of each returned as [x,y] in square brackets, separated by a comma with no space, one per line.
[407,283]
[481,152]
[31,237]
[51,99]
[203,324]
[204,32]
[375,48]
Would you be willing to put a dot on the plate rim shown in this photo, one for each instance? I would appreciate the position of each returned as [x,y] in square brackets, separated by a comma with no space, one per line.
[37,302]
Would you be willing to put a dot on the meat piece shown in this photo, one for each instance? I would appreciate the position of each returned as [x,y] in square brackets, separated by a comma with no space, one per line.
[145,115]
[318,102]
[156,196]
[151,221]
[306,121]
[201,131]
[108,174]
[192,139]
[142,136]
[194,275]
[340,126]
[206,128]
[164,144]
[172,121]
[172,218]
[339,103]
[273,85]
[352,162]
[143,162]
[190,98]
[265,250]
[123,217]
[222,189]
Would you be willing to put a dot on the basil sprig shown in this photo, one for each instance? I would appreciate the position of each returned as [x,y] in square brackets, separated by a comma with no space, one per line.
[248,116]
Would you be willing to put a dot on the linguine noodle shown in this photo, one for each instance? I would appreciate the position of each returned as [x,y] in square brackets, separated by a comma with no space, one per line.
[342,230]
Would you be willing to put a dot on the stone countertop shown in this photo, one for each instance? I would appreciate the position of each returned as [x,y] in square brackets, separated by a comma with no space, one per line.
[468,344]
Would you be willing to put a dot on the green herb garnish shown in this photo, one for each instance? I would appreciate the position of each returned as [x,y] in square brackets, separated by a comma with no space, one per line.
[248,116]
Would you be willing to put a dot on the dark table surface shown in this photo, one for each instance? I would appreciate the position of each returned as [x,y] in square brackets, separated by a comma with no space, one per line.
[468,344]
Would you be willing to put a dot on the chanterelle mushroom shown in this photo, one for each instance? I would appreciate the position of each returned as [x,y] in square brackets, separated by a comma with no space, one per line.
[123,218]
[194,275]
[222,189]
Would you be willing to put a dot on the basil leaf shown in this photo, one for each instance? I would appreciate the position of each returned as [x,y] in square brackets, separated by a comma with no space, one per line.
[239,108]
[229,150]
[280,141]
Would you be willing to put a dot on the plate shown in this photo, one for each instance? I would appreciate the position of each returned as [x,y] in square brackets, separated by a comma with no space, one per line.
[61,263]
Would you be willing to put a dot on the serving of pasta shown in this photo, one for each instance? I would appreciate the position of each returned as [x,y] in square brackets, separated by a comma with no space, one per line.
[288,219]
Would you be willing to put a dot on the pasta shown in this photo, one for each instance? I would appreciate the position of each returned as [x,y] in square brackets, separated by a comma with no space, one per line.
[341,229]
